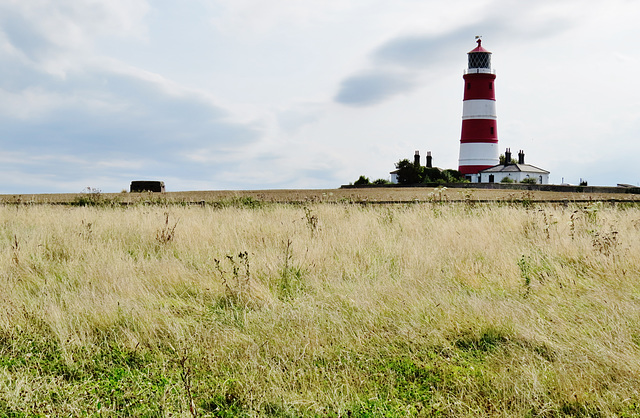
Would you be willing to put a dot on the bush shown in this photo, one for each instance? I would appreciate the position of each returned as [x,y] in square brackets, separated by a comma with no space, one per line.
[381,181]
[529,180]
[362,180]
[506,180]
[409,173]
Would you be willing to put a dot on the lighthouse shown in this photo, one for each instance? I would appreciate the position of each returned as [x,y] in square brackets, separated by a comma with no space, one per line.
[479,138]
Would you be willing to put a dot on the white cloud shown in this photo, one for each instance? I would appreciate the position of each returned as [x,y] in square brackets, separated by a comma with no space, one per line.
[55,35]
[258,17]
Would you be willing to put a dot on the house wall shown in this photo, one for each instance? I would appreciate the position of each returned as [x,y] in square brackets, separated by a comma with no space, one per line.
[515,176]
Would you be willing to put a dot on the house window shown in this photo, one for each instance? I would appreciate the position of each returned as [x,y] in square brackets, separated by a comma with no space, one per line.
[468,86]
[490,86]
[492,130]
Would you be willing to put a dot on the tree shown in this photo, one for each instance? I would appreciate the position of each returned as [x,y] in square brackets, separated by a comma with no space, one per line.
[433,175]
[409,173]
[362,180]
[502,157]
[453,176]
[381,181]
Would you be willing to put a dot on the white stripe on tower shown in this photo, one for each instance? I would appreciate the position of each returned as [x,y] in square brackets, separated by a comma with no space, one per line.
[479,109]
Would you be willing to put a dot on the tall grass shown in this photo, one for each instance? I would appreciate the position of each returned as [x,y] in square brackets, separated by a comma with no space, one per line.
[322,310]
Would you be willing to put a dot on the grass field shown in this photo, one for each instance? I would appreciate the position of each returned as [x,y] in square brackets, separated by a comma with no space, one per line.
[346,195]
[251,308]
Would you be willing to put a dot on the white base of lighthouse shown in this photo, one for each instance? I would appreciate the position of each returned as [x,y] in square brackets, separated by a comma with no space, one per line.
[478,154]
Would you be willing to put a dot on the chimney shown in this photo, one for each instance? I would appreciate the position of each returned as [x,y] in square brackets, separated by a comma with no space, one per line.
[521,157]
[429,162]
[507,156]
[416,159]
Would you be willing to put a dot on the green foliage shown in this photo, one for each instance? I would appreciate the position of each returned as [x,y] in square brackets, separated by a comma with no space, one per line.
[526,273]
[454,176]
[224,406]
[362,180]
[93,197]
[110,378]
[244,202]
[247,202]
[502,160]
[289,283]
[312,220]
[409,173]
[435,175]
[482,342]
[236,279]
[432,175]
[529,180]
[167,232]
[507,180]
[381,181]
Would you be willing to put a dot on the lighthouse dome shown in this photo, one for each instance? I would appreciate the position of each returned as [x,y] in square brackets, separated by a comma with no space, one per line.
[479,57]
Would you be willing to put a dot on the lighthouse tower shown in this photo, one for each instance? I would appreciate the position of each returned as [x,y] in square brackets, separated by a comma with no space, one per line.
[479,139]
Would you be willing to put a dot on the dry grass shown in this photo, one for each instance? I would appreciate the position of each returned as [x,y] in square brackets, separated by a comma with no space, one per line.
[372,195]
[321,310]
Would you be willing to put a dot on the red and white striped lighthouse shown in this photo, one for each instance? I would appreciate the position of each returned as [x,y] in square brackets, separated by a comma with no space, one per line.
[479,138]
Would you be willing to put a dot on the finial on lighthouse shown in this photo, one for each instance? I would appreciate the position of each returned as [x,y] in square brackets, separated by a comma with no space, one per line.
[479,40]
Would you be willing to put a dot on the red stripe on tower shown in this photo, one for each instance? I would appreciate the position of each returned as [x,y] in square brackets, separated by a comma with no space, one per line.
[479,138]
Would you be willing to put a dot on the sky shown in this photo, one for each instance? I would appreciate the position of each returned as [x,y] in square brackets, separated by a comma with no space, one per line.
[305,94]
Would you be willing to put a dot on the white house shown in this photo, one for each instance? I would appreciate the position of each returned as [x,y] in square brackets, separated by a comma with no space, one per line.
[516,172]
[394,176]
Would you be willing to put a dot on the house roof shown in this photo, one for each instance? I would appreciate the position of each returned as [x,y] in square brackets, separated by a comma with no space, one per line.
[514,168]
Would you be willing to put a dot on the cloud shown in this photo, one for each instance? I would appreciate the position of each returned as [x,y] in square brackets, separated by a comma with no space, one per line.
[70,115]
[23,35]
[294,118]
[54,35]
[370,88]
[421,51]
[115,111]
[395,66]
[243,17]
[98,117]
